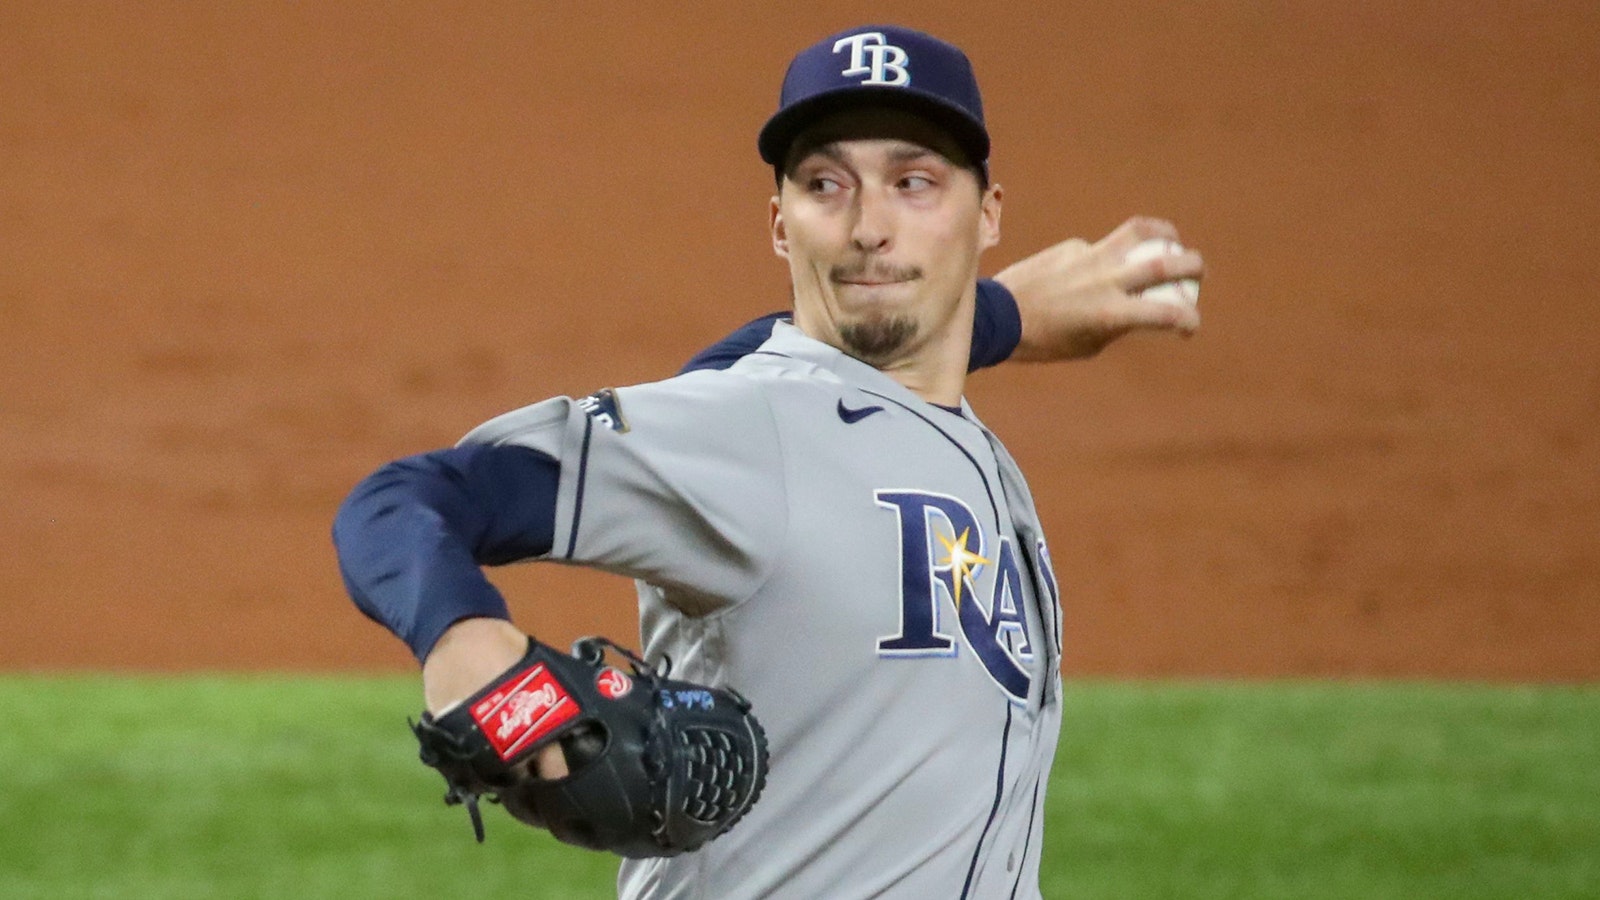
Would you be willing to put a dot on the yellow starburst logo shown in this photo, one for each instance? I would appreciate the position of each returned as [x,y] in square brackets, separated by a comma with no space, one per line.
[963,563]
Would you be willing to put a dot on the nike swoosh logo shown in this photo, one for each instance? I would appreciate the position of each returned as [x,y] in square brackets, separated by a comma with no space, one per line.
[852,416]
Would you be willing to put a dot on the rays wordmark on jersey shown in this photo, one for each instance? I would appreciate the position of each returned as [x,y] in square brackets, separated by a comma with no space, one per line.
[944,558]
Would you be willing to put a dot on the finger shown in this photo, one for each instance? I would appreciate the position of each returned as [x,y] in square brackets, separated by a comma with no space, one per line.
[1135,231]
[1187,321]
[1136,276]
[550,763]
[1153,315]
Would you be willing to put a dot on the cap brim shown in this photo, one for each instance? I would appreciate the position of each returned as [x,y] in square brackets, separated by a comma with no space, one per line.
[780,131]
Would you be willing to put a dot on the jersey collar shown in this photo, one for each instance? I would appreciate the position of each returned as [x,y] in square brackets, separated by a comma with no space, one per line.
[788,340]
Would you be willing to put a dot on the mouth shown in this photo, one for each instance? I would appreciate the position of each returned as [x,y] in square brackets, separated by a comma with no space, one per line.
[872,282]
[874,277]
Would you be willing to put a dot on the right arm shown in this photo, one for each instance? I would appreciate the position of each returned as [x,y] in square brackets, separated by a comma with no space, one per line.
[643,485]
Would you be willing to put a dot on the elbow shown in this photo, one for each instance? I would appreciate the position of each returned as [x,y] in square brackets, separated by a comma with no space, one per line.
[367,531]
[363,507]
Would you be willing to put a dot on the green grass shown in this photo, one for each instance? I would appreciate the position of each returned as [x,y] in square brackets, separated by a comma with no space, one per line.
[268,787]
[1327,791]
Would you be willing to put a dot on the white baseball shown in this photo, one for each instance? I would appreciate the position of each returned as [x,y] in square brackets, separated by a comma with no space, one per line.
[1183,292]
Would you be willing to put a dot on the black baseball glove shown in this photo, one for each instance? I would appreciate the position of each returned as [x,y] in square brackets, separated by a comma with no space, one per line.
[656,767]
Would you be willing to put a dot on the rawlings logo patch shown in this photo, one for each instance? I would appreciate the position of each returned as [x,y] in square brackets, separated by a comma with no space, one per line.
[528,706]
[603,407]
[613,683]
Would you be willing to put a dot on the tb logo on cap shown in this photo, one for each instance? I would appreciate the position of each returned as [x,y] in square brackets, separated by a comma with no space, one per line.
[872,55]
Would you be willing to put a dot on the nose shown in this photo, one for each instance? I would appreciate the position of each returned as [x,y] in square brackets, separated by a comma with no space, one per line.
[874,223]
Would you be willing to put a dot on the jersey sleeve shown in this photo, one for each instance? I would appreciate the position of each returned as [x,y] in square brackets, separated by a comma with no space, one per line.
[680,483]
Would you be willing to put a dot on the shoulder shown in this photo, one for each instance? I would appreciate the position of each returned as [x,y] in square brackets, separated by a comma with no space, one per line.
[708,402]
[743,341]
[703,403]
[696,402]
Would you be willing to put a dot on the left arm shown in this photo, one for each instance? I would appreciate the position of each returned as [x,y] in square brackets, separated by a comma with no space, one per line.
[1068,301]
[1076,298]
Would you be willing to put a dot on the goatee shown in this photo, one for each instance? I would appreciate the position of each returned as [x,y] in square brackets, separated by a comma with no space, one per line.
[877,339]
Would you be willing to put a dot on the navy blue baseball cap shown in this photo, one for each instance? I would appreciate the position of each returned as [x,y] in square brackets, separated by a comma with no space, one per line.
[879,65]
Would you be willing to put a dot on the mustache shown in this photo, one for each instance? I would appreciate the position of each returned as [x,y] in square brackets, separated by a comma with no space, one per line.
[870,270]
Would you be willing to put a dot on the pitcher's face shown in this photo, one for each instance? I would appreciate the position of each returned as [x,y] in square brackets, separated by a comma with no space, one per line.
[882,230]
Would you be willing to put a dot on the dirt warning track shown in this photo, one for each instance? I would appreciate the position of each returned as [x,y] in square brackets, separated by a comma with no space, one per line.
[250,252]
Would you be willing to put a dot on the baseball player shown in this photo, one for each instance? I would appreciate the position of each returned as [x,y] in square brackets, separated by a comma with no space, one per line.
[822,524]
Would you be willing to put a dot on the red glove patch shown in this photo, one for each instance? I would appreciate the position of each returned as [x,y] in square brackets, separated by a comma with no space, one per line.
[523,709]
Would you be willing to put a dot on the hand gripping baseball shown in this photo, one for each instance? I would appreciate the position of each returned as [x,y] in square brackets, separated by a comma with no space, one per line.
[656,767]
[1077,298]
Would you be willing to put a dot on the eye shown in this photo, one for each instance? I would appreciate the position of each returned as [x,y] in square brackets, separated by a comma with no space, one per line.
[916,183]
[824,185]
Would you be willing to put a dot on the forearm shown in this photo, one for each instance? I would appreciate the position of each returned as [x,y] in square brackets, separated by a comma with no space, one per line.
[467,656]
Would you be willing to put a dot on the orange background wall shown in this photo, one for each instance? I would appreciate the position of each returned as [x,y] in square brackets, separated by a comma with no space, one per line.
[249,251]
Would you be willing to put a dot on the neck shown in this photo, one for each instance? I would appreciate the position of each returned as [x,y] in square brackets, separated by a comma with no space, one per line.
[938,375]
[934,367]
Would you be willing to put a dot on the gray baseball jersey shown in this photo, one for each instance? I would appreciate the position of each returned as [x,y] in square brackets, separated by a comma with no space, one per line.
[870,571]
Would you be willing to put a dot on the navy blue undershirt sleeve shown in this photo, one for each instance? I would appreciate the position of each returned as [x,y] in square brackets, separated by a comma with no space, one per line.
[996,326]
[742,342]
[996,331]
[412,536]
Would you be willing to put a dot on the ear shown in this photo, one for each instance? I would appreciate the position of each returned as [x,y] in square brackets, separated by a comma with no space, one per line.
[780,235]
[989,217]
